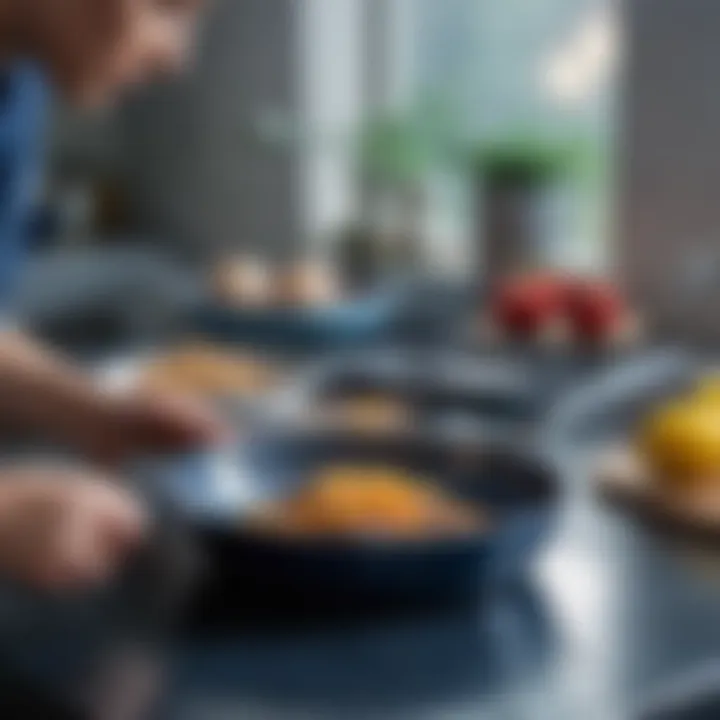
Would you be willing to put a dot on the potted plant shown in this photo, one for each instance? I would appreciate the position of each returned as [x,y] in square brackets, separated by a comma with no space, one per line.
[516,182]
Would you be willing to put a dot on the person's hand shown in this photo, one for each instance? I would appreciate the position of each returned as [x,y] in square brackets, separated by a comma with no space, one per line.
[140,423]
[65,530]
[42,393]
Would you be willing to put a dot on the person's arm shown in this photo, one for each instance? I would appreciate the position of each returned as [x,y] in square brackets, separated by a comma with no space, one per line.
[42,393]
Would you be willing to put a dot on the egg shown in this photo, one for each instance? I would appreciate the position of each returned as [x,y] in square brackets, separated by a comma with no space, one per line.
[242,282]
[307,284]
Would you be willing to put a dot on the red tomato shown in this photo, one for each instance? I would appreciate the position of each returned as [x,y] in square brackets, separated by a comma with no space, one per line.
[526,305]
[595,309]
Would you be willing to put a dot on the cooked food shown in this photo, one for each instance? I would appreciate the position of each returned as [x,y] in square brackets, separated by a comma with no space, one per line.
[204,370]
[367,413]
[370,501]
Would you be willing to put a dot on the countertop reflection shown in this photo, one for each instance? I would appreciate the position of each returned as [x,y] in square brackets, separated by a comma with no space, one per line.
[371,666]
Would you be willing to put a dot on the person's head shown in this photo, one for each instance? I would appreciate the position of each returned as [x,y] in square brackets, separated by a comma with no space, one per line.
[95,49]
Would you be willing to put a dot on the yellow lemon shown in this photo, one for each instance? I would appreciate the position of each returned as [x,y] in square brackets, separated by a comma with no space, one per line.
[681,442]
[708,389]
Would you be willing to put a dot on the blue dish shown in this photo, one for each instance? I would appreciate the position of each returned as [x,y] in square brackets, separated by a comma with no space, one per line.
[406,310]
[308,330]
[520,494]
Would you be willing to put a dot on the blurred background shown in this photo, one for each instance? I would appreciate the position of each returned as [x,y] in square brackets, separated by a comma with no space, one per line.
[370,135]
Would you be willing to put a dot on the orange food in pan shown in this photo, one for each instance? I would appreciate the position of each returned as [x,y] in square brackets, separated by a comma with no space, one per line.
[367,413]
[370,502]
[204,370]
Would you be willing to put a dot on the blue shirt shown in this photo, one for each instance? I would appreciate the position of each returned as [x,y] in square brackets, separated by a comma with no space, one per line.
[23,102]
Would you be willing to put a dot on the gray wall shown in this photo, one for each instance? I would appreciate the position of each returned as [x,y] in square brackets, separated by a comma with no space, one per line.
[199,175]
[670,164]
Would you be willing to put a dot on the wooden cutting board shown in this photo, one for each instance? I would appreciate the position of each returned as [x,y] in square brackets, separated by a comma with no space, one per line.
[624,482]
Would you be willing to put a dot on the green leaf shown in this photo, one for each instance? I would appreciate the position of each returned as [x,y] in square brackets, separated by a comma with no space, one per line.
[527,160]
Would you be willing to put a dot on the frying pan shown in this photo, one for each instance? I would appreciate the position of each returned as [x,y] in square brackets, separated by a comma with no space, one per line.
[214,492]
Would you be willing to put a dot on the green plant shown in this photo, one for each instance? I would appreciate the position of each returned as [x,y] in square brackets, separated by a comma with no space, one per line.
[393,151]
[528,162]
[401,149]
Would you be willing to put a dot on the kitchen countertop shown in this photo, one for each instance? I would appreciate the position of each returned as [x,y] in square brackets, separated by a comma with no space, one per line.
[611,615]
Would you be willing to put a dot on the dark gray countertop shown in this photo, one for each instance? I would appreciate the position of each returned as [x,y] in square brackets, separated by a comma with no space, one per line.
[614,615]
[611,614]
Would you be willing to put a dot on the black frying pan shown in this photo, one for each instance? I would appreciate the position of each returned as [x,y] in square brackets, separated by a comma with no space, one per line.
[519,492]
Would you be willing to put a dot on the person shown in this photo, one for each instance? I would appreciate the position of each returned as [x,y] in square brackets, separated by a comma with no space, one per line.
[68,529]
